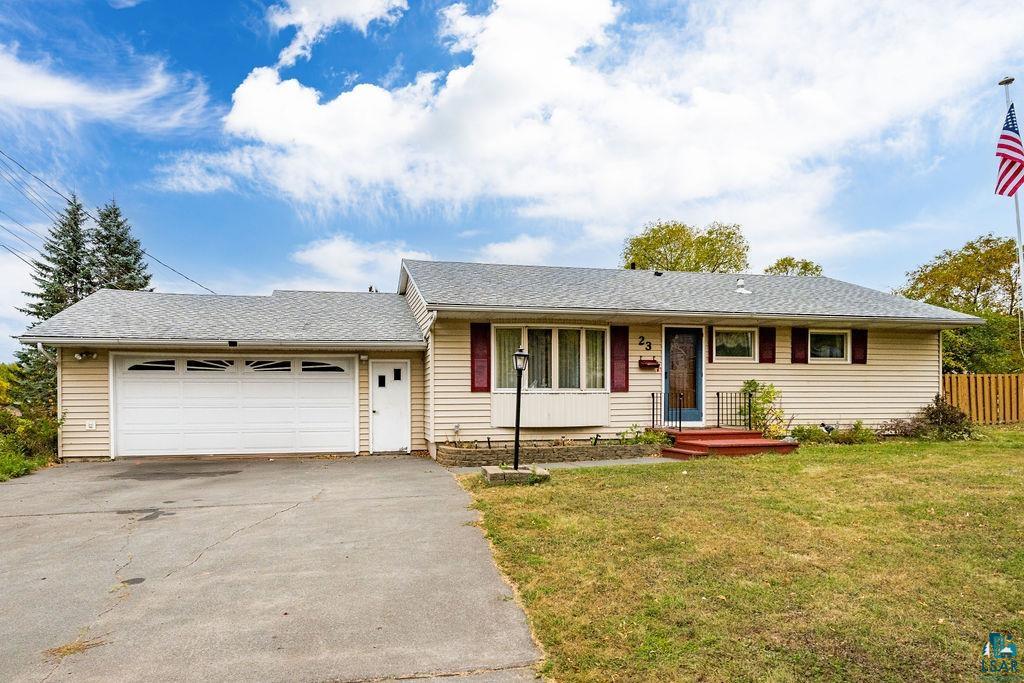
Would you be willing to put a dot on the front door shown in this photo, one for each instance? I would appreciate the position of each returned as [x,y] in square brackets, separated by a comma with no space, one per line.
[389,406]
[683,368]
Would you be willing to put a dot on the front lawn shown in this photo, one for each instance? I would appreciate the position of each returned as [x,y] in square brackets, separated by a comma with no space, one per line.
[878,562]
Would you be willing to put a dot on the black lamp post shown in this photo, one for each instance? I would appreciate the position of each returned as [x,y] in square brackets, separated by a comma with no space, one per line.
[520,358]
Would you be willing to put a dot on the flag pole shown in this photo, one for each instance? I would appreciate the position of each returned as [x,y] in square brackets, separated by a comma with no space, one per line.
[1016,206]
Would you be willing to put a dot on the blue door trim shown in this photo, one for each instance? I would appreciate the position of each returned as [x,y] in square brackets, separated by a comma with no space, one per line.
[672,413]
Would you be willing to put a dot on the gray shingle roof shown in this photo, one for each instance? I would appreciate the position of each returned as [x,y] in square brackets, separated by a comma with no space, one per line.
[482,285]
[285,316]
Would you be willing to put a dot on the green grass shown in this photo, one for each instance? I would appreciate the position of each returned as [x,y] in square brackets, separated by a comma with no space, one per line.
[888,561]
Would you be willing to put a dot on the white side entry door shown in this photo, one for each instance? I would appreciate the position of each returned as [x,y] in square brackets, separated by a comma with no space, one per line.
[390,399]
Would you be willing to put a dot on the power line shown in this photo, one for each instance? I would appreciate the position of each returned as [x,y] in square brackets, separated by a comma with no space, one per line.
[87,213]
[17,255]
[11,181]
[19,237]
[30,188]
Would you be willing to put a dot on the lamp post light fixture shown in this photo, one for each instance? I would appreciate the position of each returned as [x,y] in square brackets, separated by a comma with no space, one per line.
[520,358]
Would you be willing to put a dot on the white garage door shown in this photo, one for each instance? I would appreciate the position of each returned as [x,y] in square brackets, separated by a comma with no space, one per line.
[205,405]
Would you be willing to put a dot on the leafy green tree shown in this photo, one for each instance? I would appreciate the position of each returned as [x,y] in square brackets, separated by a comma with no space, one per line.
[118,261]
[980,278]
[63,275]
[671,245]
[789,265]
[7,371]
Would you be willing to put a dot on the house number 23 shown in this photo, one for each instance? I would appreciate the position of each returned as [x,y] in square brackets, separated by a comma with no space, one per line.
[644,343]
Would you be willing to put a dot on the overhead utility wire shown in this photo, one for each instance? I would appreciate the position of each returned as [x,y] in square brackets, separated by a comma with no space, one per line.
[17,255]
[89,214]
[28,187]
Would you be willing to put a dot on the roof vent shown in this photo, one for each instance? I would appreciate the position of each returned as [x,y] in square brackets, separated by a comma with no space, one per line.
[740,286]
[657,273]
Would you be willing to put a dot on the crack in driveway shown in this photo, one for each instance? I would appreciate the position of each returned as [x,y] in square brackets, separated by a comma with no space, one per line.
[240,530]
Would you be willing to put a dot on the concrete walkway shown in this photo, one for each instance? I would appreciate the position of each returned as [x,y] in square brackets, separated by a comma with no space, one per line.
[289,570]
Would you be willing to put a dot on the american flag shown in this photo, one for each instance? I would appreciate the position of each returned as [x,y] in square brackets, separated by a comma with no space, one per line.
[1011,157]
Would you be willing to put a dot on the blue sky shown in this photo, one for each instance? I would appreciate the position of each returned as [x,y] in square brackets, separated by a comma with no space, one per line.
[313,143]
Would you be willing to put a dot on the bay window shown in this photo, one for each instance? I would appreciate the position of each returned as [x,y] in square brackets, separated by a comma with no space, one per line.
[561,358]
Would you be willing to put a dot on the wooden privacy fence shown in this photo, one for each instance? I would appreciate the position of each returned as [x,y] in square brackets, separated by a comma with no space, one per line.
[987,399]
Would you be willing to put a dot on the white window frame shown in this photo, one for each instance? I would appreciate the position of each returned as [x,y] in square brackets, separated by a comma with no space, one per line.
[554,359]
[754,345]
[847,351]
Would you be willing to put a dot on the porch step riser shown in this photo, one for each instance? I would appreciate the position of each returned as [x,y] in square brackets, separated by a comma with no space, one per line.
[696,443]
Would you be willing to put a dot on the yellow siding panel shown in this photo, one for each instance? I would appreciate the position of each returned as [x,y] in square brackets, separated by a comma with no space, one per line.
[902,374]
[84,396]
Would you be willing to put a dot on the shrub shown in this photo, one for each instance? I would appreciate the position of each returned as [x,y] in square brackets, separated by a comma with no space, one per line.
[26,444]
[858,433]
[8,422]
[638,435]
[810,434]
[946,422]
[913,428]
[765,415]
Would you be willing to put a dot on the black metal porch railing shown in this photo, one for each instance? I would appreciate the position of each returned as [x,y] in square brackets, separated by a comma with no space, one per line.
[732,409]
[735,409]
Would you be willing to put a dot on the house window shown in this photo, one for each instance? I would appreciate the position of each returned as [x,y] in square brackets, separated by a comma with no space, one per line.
[829,345]
[507,341]
[569,358]
[268,365]
[538,371]
[734,344]
[208,365]
[595,359]
[167,365]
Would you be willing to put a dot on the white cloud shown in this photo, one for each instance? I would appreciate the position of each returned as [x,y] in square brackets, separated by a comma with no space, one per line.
[524,249]
[345,263]
[124,4]
[146,97]
[313,19]
[572,115]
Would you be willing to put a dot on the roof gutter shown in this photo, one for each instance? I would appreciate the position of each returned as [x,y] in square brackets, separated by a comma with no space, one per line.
[940,322]
[212,343]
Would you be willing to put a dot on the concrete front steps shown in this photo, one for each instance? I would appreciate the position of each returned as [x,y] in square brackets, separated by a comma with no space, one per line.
[700,443]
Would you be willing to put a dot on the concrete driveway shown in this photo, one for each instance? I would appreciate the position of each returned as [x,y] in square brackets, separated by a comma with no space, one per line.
[298,570]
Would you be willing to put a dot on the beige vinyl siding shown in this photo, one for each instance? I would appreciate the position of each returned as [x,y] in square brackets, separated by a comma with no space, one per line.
[419,310]
[84,396]
[417,414]
[903,373]
[84,390]
[455,404]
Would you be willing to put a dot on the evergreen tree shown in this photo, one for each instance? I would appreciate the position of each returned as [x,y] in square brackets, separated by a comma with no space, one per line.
[64,272]
[64,275]
[118,261]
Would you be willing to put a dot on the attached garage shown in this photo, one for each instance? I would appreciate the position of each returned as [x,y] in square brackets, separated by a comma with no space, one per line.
[215,405]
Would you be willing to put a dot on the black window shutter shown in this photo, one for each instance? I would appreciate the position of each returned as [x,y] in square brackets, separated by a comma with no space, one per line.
[711,343]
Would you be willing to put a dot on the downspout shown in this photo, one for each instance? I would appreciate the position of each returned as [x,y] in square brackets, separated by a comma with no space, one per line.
[431,448]
[41,349]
